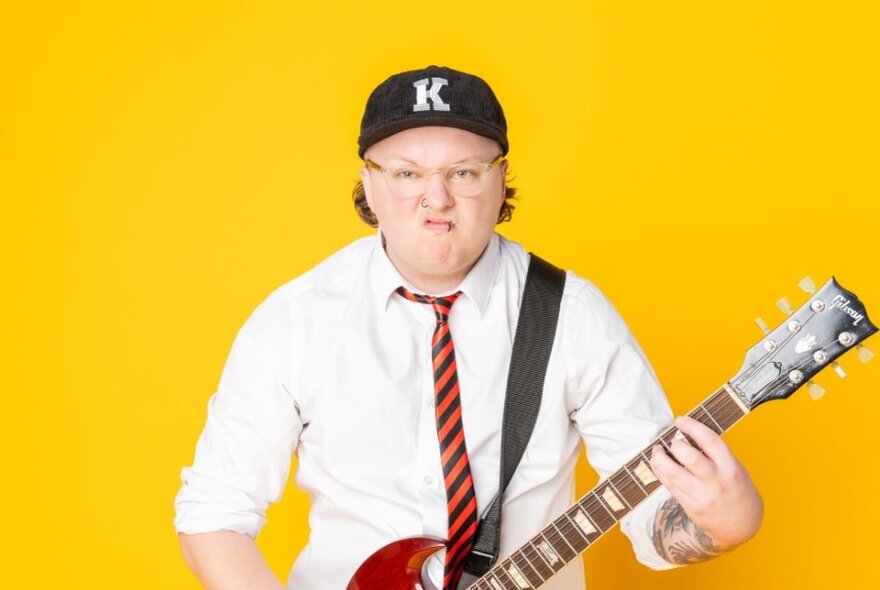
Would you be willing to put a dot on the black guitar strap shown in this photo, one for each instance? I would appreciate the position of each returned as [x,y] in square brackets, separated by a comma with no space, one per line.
[535,332]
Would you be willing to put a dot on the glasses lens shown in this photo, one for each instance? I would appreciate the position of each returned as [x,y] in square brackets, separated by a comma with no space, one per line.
[467,180]
[462,180]
[406,181]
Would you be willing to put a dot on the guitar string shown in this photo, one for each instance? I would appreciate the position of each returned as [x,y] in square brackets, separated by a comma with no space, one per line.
[764,392]
[772,353]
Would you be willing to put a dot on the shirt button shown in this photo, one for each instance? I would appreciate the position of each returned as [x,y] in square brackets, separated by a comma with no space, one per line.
[428,480]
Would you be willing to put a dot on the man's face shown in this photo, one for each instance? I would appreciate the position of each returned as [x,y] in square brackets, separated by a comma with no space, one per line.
[436,245]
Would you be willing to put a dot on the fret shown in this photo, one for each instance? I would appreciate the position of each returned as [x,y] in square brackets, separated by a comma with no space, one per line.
[676,434]
[616,494]
[497,584]
[672,434]
[519,574]
[712,418]
[725,408]
[538,578]
[586,526]
[580,542]
[501,574]
[599,513]
[704,417]
[610,503]
[545,546]
[539,562]
[565,549]
[664,444]
[635,479]
[628,487]
[484,583]
[641,468]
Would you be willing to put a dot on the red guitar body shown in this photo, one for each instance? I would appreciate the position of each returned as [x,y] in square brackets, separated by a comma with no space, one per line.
[396,566]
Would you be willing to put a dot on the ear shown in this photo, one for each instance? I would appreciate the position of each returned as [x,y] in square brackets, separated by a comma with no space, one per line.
[366,181]
[505,165]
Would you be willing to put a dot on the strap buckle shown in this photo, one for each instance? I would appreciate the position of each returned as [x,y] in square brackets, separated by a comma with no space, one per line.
[479,562]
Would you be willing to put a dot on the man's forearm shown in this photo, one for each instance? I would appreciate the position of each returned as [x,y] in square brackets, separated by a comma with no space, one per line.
[225,560]
[678,539]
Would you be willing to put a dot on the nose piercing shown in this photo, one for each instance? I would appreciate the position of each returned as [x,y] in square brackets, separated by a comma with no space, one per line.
[424,202]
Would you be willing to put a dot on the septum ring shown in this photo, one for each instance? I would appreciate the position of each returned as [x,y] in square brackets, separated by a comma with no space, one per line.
[424,202]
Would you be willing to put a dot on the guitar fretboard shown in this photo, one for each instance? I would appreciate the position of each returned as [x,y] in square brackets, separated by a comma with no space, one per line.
[577,528]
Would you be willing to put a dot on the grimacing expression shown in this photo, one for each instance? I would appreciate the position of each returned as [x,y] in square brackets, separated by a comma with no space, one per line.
[434,245]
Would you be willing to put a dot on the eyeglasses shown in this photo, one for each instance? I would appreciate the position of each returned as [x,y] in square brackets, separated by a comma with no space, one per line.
[468,179]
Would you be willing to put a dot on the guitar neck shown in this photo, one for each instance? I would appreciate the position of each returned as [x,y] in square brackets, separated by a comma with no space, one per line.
[598,511]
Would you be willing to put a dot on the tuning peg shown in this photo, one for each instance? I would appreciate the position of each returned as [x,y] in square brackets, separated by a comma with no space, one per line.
[808,285]
[838,369]
[864,353]
[815,390]
[784,306]
[763,325]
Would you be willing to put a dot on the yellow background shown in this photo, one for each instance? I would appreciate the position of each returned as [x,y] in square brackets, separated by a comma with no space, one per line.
[165,165]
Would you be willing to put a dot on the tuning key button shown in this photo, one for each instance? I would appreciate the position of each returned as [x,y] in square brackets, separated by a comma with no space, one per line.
[769,345]
[820,356]
[817,305]
[796,376]
[763,325]
[864,353]
[815,390]
[784,306]
[794,326]
[838,369]
[808,285]
[846,338]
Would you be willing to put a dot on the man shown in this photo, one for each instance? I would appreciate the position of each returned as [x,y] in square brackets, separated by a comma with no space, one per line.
[392,397]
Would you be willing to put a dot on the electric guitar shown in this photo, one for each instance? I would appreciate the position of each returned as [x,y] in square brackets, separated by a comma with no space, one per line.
[832,322]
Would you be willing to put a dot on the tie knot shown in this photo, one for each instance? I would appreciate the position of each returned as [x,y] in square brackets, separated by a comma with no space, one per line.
[441,305]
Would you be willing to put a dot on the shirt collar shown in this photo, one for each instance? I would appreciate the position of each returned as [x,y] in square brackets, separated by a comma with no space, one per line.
[476,286]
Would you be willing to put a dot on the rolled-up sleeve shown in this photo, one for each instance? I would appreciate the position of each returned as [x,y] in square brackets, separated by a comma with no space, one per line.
[619,406]
[243,455]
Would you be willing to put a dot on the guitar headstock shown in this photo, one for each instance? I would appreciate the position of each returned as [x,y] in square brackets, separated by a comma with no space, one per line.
[832,322]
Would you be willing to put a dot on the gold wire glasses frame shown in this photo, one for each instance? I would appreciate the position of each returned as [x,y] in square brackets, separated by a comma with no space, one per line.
[468,179]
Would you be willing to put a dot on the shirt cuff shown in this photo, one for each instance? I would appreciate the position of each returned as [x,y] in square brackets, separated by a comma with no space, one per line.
[638,526]
[203,506]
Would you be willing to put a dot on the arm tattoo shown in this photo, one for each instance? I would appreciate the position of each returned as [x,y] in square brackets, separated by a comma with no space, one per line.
[678,540]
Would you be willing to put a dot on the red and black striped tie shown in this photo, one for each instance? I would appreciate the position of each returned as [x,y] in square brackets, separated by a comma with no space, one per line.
[461,502]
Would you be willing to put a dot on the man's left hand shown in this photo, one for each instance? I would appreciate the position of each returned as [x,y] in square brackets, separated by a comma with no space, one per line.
[712,487]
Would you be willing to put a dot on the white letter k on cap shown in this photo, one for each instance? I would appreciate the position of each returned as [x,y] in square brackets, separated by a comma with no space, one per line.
[423,93]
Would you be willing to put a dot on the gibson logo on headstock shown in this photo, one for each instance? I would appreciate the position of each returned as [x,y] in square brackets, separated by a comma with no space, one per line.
[841,303]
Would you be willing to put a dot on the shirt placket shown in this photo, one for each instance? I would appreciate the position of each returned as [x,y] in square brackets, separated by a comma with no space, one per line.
[430,485]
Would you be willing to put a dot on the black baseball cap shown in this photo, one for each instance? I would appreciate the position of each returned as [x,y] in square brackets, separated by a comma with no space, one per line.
[432,96]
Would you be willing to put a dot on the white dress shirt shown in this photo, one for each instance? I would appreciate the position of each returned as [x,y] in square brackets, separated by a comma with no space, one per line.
[336,368]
